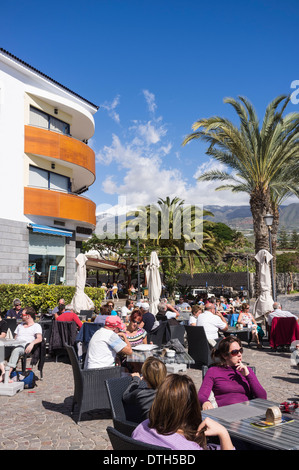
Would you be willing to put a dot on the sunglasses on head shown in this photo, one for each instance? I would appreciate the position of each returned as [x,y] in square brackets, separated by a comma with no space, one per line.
[235,352]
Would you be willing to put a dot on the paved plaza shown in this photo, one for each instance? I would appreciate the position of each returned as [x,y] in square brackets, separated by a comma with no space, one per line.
[40,419]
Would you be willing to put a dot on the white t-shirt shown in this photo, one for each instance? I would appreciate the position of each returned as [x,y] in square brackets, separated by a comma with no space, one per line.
[211,323]
[29,333]
[192,320]
[102,349]
[125,312]
[279,313]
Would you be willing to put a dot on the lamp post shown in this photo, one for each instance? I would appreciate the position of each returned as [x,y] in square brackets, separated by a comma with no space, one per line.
[268,219]
[128,248]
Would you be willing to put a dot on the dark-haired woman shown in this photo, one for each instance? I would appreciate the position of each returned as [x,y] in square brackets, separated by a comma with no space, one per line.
[175,419]
[230,380]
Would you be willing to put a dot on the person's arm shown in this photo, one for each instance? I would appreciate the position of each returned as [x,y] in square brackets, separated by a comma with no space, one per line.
[205,390]
[38,339]
[127,349]
[212,428]
[257,391]
[78,321]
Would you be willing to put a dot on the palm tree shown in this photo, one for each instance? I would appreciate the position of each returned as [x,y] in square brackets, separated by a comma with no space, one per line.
[263,161]
[172,225]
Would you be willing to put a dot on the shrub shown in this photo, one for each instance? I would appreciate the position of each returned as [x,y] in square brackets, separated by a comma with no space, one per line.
[43,296]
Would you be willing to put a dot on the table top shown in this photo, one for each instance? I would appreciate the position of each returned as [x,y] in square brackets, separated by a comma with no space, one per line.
[180,358]
[12,342]
[237,420]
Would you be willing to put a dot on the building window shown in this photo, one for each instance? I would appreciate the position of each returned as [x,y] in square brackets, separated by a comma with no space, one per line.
[39,118]
[40,178]
[46,251]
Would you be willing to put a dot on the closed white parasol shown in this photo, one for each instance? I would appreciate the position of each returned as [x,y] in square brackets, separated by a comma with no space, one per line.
[153,283]
[81,301]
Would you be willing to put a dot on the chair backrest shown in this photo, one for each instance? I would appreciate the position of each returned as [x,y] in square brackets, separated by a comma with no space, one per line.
[115,389]
[121,442]
[77,372]
[177,331]
[63,332]
[284,330]
[87,313]
[156,336]
[198,345]
[12,324]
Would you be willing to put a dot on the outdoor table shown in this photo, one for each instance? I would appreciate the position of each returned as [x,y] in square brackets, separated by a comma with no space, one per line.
[243,334]
[179,358]
[237,420]
[5,346]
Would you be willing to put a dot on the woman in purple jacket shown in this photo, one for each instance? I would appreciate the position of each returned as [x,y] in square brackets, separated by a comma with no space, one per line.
[230,380]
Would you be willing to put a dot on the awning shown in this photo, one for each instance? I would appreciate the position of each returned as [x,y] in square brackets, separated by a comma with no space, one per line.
[50,230]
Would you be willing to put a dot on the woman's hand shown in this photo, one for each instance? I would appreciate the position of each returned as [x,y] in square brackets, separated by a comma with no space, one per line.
[242,369]
[207,405]
[211,428]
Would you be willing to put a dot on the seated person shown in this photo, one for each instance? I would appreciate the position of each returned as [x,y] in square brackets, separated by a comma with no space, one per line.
[101,318]
[30,332]
[110,305]
[16,311]
[196,310]
[134,332]
[139,396]
[3,328]
[166,315]
[127,309]
[106,343]
[230,380]
[149,320]
[246,319]
[182,305]
[3,332]
[65,313]
[175,419]
[212,323]
[56,309]
[278,312]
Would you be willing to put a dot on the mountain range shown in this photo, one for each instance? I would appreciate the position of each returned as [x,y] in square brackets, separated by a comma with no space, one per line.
[240,218]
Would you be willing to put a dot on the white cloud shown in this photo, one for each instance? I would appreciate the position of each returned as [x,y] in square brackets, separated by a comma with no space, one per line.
[150,99]
[139,172]
[110,107]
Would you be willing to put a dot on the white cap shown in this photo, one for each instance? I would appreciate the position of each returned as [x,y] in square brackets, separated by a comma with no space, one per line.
[145,305]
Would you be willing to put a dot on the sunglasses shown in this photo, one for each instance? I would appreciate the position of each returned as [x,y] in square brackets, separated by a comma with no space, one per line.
[137,322]
[235,352]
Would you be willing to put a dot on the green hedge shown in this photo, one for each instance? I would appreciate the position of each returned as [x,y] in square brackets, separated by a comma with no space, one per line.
[42,296]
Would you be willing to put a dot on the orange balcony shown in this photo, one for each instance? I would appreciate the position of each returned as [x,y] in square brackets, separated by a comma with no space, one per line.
[54,145]
[56,204]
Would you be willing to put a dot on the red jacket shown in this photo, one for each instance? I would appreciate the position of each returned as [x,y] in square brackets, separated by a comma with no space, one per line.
[70,316]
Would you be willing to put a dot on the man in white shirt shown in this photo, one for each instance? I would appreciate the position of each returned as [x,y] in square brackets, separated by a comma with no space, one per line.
[212,323]
[106,343]
[29,332]
[277,312]
[127,309]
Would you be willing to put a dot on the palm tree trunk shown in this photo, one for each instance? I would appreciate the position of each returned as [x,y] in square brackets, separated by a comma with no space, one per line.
[260,205]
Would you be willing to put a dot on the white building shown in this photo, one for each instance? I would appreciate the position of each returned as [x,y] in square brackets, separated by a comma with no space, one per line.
[45,166]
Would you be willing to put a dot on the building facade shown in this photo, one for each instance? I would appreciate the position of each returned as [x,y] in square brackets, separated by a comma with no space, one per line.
[46,166]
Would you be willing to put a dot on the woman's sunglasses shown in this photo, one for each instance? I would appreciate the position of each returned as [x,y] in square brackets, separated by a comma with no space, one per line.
[235,352]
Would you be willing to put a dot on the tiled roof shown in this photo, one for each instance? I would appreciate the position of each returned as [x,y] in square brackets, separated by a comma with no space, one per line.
[46,76]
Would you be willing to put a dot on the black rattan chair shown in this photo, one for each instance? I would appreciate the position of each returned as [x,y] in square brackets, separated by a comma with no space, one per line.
[115,389]
[178,331]
[90,392]
[121,442]
[157,336]
[198,345]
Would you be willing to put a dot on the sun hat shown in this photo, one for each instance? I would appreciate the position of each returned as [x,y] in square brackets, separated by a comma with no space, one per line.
[113,321]
[145,306]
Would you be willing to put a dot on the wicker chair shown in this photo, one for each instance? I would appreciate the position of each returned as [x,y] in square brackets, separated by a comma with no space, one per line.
[115,389]
[89,385]
[121,442]
[198,345]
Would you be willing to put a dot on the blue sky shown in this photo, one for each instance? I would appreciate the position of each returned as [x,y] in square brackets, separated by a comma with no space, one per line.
[154,67]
